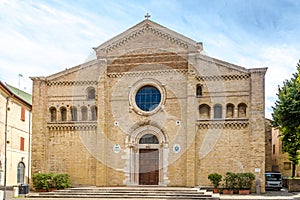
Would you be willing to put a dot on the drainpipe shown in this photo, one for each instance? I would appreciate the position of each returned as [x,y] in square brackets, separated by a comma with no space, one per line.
[5,146]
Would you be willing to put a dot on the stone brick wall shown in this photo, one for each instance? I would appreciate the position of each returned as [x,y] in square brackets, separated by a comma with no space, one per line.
[190,147]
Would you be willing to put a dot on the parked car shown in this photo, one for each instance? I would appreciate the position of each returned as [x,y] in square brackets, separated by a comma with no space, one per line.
[273,180]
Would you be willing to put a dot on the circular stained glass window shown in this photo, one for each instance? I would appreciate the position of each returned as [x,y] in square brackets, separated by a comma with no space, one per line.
[148,98]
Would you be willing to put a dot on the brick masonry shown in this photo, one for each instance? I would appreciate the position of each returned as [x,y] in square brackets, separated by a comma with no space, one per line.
[150,54]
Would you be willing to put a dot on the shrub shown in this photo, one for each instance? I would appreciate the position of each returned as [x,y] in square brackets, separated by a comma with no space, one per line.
[245,180]
[62,181]
[215,179]
[46,181]
[42,181]
[230,180]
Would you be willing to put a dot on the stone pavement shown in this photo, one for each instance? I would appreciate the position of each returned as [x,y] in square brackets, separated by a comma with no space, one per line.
[269,195]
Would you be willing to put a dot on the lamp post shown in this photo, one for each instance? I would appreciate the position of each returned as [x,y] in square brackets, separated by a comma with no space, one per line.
[5,146]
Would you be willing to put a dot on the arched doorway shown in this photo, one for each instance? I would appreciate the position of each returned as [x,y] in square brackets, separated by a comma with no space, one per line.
[147,149]
[148,161]
[21,173]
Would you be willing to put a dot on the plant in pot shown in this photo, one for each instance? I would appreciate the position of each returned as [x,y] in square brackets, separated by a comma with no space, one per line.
[245,181]
[230,181]
[215,179]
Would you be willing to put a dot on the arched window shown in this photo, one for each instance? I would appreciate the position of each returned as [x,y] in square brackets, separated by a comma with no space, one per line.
[94,113]
[84,113]
[199,90]
[74,113]
[21,173]
[242,110]
[229,110]
[217,111]
[149,139]
[91,93]
[63,113]
[52,114]
[204,111]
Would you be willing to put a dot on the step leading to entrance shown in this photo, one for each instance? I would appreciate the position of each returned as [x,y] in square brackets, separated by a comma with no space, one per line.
[129,193]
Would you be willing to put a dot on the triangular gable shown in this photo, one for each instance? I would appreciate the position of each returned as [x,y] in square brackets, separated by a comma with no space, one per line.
[157,29]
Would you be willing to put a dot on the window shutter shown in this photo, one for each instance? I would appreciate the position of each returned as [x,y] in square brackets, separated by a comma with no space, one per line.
[23,114]
[22,141]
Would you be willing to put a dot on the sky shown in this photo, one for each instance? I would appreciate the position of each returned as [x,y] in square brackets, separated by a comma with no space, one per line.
[42,37]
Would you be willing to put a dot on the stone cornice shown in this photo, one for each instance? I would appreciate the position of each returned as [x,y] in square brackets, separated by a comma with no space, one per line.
[150,27]
[71,83]
[147,73]
[223,77]
[223,124]
[72,126]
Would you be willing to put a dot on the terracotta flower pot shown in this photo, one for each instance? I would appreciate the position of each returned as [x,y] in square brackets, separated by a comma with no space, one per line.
[244,191]
[226,191]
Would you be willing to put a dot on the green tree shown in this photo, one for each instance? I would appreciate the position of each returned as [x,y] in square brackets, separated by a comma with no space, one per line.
[286,116]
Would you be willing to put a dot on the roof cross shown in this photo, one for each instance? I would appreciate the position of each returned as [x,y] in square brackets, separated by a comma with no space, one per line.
[147,16]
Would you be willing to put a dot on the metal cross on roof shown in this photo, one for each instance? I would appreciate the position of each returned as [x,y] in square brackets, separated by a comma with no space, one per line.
[147,16]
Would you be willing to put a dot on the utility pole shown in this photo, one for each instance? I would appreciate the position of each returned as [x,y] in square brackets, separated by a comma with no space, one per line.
[5,147]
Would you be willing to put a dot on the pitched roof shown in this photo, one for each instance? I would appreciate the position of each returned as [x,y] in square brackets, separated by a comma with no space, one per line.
[21,94]
[156,28]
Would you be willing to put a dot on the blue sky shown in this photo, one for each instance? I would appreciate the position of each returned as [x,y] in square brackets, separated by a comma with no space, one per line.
[39,37]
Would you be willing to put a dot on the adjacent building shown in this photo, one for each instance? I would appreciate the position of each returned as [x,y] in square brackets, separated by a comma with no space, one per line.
[149,109]
[280,160]
[15,126]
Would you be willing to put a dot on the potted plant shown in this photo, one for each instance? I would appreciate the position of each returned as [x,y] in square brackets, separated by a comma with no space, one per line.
[215,179]
[245,181]
[230,181]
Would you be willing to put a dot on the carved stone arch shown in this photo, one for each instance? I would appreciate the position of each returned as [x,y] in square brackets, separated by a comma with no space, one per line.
[134,149]
[138,133]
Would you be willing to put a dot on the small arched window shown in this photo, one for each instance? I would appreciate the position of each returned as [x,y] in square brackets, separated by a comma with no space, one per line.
[84,113]
[149,139]
[217,111]
[21,173]
[242,110]
[91,94]
[229,110]
[63,113]
[74,113]
[94,113]
[204,111]
[52,114]
[199,90]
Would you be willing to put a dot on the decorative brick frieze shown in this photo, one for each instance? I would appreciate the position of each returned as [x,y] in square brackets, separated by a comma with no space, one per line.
[224,77]
[223,124]
[137,33]
[147,73]
[71,83]
[72,126]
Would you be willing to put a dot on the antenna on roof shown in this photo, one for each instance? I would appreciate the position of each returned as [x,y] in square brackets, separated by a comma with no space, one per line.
[20,75]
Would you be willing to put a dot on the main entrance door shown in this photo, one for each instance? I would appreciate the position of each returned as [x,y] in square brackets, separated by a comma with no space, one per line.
[148,166]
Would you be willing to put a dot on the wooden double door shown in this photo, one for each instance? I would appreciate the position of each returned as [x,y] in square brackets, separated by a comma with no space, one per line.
[148,167]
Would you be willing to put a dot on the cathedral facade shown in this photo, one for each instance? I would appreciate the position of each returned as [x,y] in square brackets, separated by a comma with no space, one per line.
[149,109]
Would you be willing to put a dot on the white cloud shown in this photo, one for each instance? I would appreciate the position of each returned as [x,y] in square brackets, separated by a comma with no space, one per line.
[39,38]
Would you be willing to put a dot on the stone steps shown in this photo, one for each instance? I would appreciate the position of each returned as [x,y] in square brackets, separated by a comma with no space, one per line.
[129,193]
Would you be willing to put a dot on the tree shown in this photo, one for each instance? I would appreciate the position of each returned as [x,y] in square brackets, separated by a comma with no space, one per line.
[286,116]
